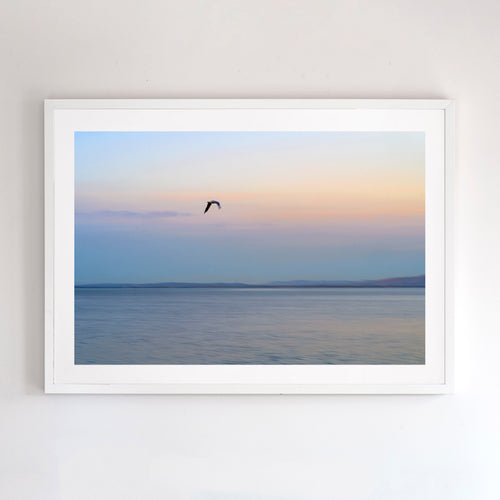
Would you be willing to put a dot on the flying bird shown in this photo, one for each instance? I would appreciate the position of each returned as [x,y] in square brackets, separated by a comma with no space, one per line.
[210,203]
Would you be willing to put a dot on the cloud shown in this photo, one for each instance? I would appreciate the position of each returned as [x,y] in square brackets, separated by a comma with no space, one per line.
[128,215]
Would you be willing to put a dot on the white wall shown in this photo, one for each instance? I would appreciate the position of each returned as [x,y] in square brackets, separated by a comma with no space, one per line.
[235,447]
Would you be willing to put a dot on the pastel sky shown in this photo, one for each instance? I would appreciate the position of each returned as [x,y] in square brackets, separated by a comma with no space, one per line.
[295,205]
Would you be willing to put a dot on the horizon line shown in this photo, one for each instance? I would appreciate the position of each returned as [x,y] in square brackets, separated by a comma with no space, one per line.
[392,282]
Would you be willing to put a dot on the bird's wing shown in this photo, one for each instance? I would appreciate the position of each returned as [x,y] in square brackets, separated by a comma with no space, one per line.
[208,206]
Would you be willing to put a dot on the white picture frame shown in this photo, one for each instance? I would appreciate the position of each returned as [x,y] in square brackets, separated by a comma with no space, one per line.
[64,117]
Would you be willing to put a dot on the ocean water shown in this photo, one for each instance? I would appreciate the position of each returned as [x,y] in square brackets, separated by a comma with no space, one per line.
[249,326]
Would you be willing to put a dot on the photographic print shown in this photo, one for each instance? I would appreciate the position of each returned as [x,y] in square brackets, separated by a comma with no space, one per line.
[248,246]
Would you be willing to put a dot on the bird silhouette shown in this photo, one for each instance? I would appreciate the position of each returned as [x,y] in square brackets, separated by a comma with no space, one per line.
[210,203]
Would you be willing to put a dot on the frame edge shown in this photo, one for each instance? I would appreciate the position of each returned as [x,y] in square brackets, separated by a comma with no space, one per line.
[449,113]
[49,107]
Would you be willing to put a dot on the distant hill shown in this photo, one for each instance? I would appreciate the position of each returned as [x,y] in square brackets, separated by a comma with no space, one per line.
[409,282]
[168,284]
[312,283]
[397,282]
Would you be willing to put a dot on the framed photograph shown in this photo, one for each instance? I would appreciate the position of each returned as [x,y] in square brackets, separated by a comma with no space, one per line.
[248,246]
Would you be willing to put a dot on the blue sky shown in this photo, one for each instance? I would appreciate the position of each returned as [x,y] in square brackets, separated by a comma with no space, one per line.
[295,205]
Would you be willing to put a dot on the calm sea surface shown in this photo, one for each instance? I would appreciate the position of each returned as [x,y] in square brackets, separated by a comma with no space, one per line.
[249,326]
